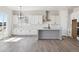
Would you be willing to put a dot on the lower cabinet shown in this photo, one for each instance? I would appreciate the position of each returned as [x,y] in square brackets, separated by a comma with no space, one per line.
[24,32]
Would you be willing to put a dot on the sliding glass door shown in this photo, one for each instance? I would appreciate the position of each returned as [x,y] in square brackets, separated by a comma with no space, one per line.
[3,25]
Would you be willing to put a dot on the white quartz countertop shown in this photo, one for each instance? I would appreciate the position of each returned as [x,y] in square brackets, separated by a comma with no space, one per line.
[50,29]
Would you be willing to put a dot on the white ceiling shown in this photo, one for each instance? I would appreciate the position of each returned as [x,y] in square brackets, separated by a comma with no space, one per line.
[28,8]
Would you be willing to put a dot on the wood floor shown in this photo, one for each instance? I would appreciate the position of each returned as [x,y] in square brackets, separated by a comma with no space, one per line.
[31,44]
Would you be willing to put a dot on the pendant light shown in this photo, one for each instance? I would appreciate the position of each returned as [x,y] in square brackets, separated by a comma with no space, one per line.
[21,16]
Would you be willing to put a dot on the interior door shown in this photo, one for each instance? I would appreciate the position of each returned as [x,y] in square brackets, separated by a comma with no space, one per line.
[74,29]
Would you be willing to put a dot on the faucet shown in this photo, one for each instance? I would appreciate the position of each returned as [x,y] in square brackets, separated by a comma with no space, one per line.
[48,26]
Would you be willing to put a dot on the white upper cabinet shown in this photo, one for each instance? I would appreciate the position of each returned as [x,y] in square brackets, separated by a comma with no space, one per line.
[35,19]
[31,19]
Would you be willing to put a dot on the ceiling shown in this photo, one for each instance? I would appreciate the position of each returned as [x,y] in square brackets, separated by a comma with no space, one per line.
[28,8]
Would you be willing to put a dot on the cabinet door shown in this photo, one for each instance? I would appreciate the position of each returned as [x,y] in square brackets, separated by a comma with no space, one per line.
[35,19]
[15,19]
[74,29]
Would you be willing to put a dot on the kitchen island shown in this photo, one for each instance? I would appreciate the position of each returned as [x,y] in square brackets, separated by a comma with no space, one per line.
[49,34]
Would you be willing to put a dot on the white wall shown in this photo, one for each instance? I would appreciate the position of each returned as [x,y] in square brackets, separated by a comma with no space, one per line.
[75,14]
[9,22]
[64,21]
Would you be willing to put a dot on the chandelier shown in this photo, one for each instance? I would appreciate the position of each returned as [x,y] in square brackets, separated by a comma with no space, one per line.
[21,16]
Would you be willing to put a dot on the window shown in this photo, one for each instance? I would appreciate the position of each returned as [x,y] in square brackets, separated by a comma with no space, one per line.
[3,20]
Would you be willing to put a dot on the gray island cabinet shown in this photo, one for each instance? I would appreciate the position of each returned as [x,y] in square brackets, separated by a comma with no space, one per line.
[49,34]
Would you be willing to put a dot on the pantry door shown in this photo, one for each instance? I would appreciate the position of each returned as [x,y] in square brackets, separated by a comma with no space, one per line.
[74,29]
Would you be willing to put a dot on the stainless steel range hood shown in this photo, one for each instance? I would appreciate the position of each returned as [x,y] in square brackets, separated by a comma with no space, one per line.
[46,16]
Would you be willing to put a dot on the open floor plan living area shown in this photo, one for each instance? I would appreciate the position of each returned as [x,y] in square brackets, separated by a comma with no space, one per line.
[39,28]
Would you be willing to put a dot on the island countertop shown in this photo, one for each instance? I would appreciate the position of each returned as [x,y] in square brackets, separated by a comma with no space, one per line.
[50,29]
